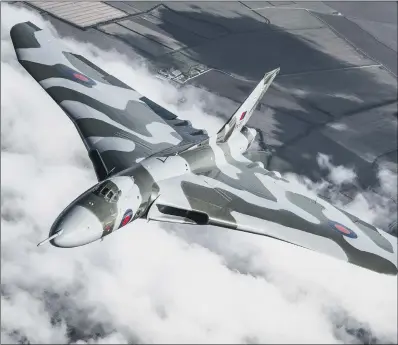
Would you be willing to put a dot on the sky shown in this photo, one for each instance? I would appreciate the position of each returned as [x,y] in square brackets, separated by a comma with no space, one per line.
[152,282]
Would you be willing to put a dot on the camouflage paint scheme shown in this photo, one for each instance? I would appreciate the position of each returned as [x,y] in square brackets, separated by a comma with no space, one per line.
[152,165]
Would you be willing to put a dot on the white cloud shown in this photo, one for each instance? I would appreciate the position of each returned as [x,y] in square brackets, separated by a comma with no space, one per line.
[388,180]
[348,97]
[338,126]
[377,206]
[338,174]
[152,283]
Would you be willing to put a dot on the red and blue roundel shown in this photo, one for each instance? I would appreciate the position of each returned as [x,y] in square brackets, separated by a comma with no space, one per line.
[83,79]
[127,218]
[77,76]
[340,228]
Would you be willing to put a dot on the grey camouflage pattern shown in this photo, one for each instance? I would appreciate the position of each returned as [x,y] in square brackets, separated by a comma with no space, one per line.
[165,170]
[118,126]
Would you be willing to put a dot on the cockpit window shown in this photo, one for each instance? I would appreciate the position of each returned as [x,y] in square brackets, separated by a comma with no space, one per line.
[104,191]
[116,196]
[108,191]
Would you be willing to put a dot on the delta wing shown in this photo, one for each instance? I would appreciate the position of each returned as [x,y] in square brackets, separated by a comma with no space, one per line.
[118,126]
[244,196]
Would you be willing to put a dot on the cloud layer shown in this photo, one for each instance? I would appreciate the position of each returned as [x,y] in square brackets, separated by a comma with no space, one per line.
[153,283]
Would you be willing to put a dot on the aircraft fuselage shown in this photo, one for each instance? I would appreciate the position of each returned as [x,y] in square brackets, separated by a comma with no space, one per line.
[113,203]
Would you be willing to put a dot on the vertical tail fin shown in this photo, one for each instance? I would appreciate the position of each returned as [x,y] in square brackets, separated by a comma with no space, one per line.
[242,115]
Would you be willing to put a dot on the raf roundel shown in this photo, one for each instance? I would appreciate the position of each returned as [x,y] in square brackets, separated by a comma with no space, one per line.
[76,76]
[127,217]
[340,228]
[81,77]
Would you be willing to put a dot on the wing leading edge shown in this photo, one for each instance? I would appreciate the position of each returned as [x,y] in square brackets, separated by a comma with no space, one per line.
[117,125]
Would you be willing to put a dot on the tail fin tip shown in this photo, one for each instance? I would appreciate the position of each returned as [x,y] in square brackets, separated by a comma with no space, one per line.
[246,109]
[270,74]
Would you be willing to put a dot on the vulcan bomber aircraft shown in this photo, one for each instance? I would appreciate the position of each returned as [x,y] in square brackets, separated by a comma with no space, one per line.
[152,165]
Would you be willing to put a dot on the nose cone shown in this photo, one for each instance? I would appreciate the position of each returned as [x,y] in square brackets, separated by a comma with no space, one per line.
[79,226]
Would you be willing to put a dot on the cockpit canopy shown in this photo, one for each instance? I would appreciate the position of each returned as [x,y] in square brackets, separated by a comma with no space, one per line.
[108,191]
